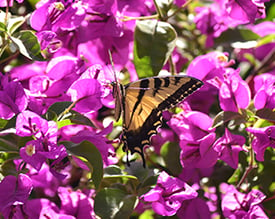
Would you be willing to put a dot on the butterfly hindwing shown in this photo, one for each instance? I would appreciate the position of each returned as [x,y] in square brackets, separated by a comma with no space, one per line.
[143,102]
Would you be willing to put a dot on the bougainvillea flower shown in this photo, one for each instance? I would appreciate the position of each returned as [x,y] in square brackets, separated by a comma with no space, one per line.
[163,136]
[245,10]
[96,50]
[195,208]
[64,66]
[208,22]
[76,203]
[234,92]
[214,20]
[105,76]
[12,98]
[29,123]
[265,91]
[54,15]
[264,137]
[168,195]
[3,3]
[260,52]
[206,68]
[192,125]
[228,146]
[43,180]
[43,208]
[239,205]
[106,149]
[46,38]
[14,190]
[209,66]
[198,153]
[36,152]
[86,93]
[264,28]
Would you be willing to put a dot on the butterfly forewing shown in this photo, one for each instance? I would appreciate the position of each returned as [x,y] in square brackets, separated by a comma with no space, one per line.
[143,102]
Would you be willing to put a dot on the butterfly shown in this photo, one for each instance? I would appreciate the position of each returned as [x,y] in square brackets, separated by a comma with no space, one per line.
[141,104]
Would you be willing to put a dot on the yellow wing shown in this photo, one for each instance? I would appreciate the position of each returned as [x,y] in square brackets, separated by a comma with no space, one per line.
[143,103]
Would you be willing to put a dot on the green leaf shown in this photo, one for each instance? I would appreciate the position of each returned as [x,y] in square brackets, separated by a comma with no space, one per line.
[8,124]
[114,203]
[164,6]
[77,118]
[14,23]
[63,123]
[87,150]
[270,14]
[136,169]
[8,167]
[59,107]
[69,118]
[148,214]
[112,170]
[170,152]
[266,39]
[7,146]
[235,176]
[28,45]
[236,35]
[3,123]
[248,35]
[153,44]
[226,116]
[266,113]
[3,27]
[114,174]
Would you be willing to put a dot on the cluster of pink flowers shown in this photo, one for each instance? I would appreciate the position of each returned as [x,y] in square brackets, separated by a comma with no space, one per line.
[59,159]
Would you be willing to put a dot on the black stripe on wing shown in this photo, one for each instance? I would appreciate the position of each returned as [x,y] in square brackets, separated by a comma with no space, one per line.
[135,140]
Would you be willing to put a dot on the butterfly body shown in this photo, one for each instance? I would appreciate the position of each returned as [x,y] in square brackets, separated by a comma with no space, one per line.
[141,104]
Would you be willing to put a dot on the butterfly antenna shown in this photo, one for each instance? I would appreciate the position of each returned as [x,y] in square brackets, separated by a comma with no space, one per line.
[113,66]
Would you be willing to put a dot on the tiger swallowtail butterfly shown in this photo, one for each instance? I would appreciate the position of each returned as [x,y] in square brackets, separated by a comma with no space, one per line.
[141,104]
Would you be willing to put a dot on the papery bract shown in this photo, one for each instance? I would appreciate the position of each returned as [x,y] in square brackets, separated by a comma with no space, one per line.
[195,208]
[198,153]
[43,180]
[265,91]
[76,203]
[239,205]
[29,123]
[234,92]
[264,137]
[207,68]
[168,195]
[105,77]
[264,28]
[259,52]
[79,134]
[96,51]
[43,208]
[245,10]
[228,147]
[192,125]
[214,20]
[163,136]
[63,66]
[36,152]
[86,94]
[14,191]
[46,38]
[54,15]
[12,98]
